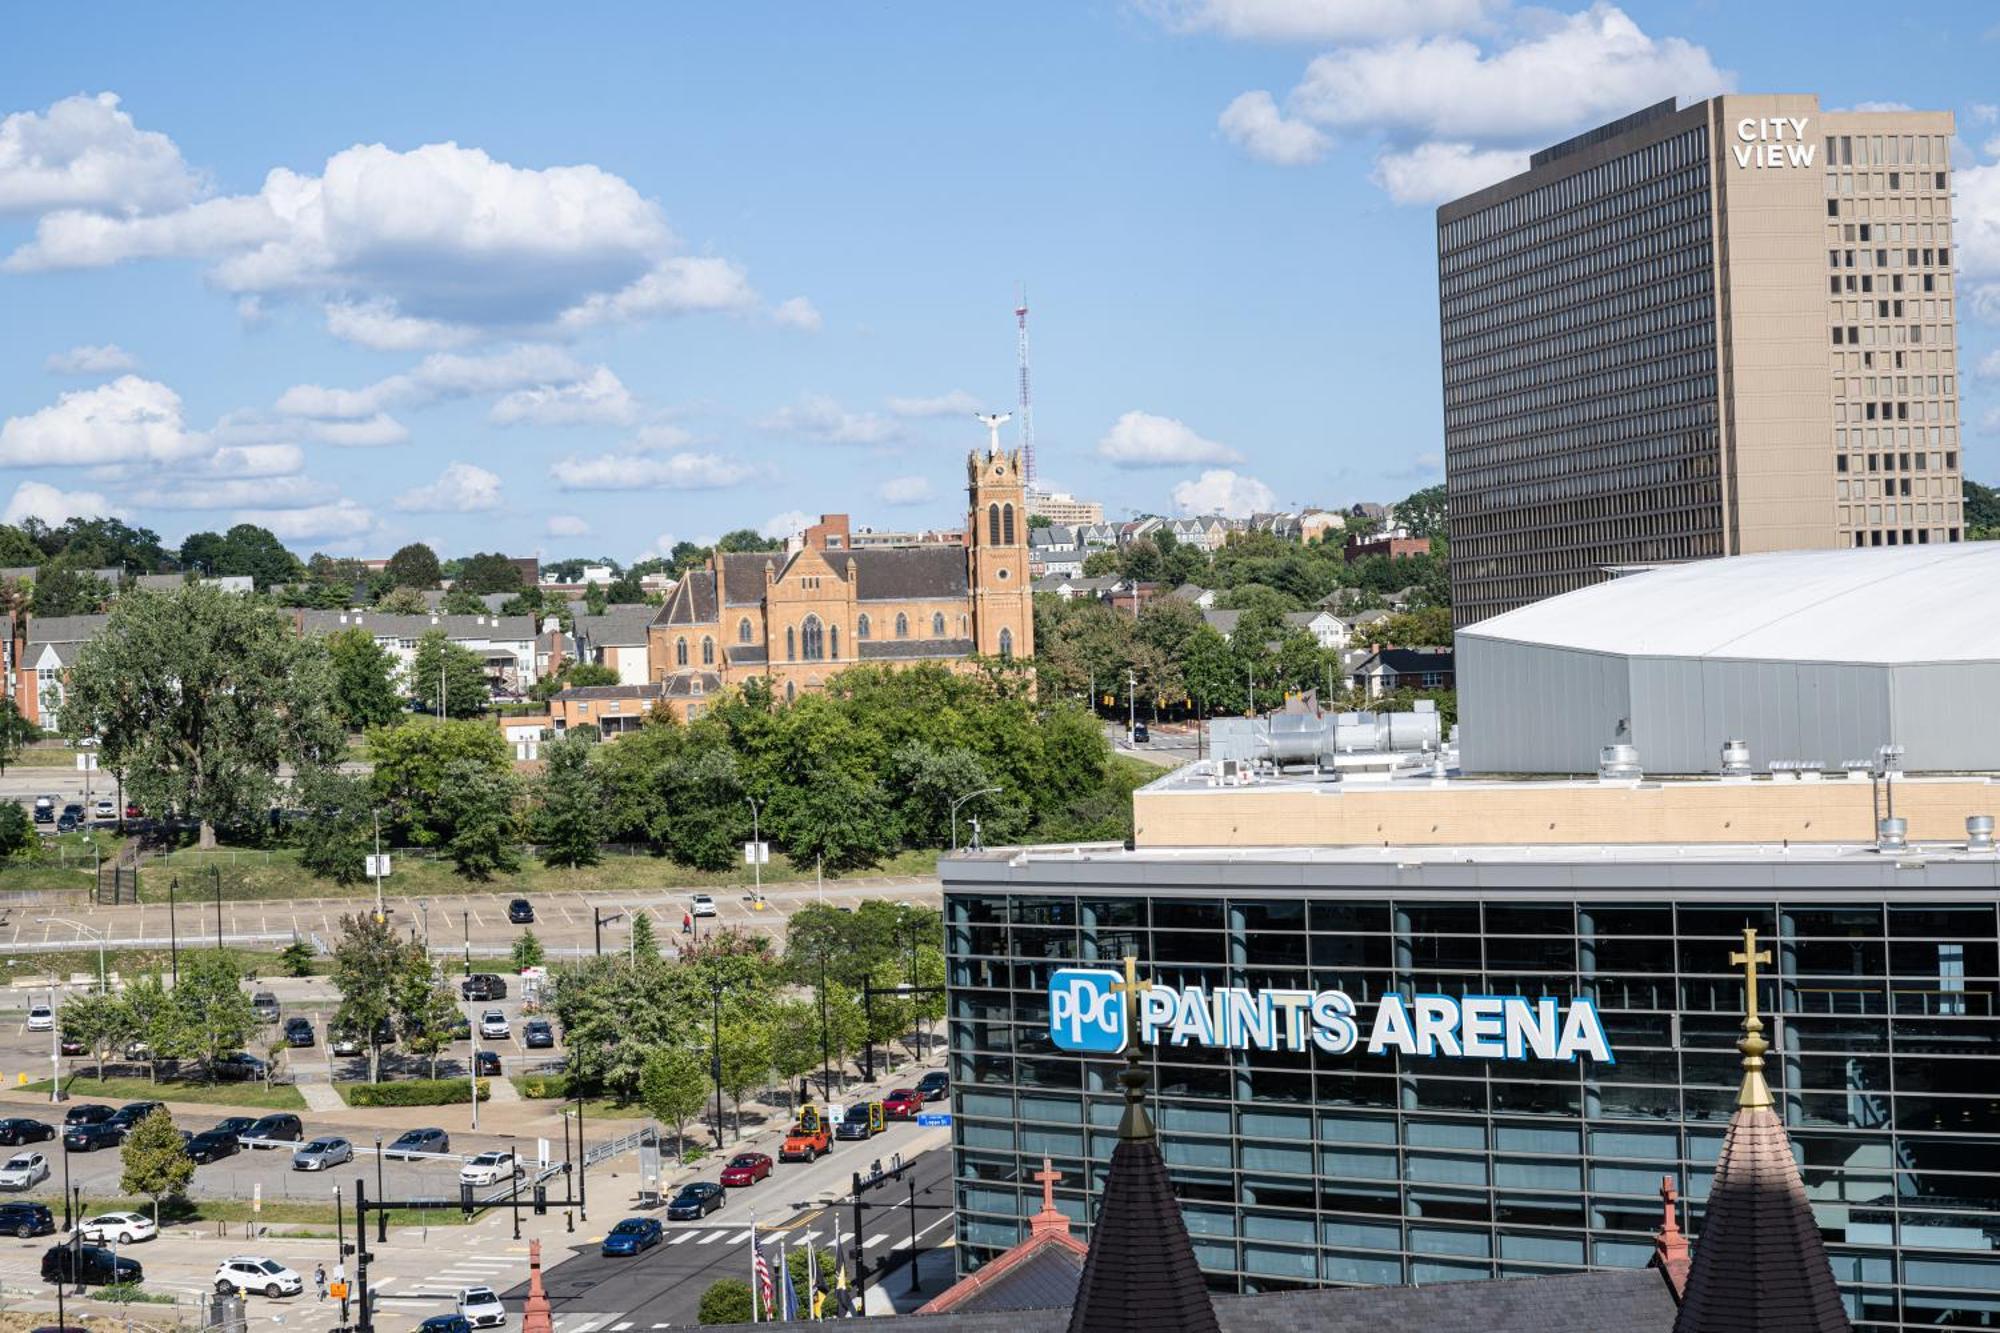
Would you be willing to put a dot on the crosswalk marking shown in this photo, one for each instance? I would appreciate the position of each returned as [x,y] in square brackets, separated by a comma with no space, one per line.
[740,1237]
[902,1244]
[713,1237]
[683,1238]
[621,1327]
[875,1240]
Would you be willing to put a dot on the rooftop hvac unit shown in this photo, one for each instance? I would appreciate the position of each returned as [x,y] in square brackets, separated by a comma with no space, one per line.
[1736,760]
[1892,835]
[1231,773]
[1979,833]
[1619,763]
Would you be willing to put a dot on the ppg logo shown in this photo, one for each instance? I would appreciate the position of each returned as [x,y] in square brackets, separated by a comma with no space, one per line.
[1085,1014]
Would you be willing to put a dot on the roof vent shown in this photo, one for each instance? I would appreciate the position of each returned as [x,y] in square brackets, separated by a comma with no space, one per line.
[1892,835]
[1619,763]
[1979,833]
[1736,761]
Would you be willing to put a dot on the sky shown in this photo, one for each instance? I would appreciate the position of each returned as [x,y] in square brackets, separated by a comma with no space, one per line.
[592,279]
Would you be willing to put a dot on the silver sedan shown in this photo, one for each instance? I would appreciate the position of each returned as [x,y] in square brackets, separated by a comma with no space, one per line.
[321,1154]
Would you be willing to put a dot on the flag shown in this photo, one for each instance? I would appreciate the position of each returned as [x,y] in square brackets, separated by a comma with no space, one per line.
[791,1292]
[813,1293]
[760,1284]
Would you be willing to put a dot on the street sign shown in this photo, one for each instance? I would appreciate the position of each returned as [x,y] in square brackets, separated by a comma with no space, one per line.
[256,1198]
[542,1153]
[86,763]
[933,1119]
[377,865]
[756,853]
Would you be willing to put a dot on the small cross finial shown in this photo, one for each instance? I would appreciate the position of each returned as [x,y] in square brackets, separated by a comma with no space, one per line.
[1755,1091]
[1131,988]
[1048,1175]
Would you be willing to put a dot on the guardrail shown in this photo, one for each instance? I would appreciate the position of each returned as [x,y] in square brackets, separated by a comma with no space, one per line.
[618,1147]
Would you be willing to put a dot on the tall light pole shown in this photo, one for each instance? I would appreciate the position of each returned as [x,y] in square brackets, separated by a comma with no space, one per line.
[376,865]
[756,860]
[983,791]
[715,1056]
[1131,707]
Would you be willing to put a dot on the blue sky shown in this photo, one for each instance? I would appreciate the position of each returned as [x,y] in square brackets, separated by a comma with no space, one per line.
[587,281]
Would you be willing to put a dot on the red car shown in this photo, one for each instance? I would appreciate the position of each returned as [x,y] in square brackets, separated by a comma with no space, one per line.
[903,1104]
[745,1168]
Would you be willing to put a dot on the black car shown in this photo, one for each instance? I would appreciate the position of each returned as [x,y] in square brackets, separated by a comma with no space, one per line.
[210,1144]
[281,1127]
[483,986]
[298,1032]
[45,809]
[486,1062]
[66,823]
[935,1085]
[89,1138]
[697,1199]
[418,1140]
[88,1264]
[234,1126]
[521,912]
[855,1124]
[239,1067]
[536,1034]
[16,1130]
[131,1113]
[26,1219]
[90,1113]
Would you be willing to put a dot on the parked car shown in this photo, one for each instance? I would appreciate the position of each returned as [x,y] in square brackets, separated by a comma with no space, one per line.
[702,905]
[23,1171]
[131,1113]
[903,1104]
[697,1199]
[104,808]
[209,1145]
[280,1127]
[89,1265]
[745,1168]
[19,1217]
[132,810]
[298,1031]
[89,1113]
[935,1086]
[493,1025]
[486,1063]
[322,1153]
[73,812]
[239,1067]
[45,809]
[631,1236]
[124,1228]
[344,1043]
[235,1126]
[490,1168]
[483,986]
[537,1034]
[41,1018]
[16,1130]
[1140,733]
[445,1323]
[66,822]
[71,1046]
[418,1140]
[252,1272]
[266,1005]
[91,1137]
[481,1308]
[521,912]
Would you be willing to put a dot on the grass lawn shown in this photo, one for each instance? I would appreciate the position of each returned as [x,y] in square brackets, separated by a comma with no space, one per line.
[64,861]
[127,1089]
[276,1212]
[128,963]
[594,1108]
[51,756]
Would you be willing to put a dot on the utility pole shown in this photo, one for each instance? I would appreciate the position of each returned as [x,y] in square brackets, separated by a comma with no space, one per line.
[215,873]
[366,1323]
[715,1052]
[173,934]
[1131,707]
[756,852]
[340,1251]
[382,1195]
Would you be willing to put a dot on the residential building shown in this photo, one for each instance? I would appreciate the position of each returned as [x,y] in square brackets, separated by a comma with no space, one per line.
[41,678]
[1328,630]
[1394,548]
[1103,587]
[1699,331]
[617,709]
[168,583]
[505,645]
[553,648]
[621,639]
[794,618]
[870,538]
[1060,507]
[1386,670]
[1222,622]
[1315,524]
[1196,596]
[1057,549]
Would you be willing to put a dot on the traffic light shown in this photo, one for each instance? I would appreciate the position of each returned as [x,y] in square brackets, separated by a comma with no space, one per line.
[541,1200]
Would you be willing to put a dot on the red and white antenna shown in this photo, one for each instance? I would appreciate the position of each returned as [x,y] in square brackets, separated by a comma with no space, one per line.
[1027,407]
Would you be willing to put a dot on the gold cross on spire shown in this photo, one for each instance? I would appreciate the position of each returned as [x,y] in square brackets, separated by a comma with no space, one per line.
[1755,1091]
[1135,1124]
[1131,988]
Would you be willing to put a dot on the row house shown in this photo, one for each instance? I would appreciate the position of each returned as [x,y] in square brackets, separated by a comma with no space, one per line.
[505,645]
[47,649]
[620,639]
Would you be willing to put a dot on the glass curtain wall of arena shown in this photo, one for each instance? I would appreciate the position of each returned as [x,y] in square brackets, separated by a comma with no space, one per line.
[1305,1169]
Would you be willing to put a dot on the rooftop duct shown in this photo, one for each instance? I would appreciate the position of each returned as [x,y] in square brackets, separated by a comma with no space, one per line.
[1979,833]
[1892,835]
[1736,760]
[1619,763]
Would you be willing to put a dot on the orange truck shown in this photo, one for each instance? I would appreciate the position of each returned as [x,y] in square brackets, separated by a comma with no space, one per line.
[808,1138]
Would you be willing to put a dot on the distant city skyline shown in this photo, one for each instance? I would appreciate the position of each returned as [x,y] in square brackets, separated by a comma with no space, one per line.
[530,284]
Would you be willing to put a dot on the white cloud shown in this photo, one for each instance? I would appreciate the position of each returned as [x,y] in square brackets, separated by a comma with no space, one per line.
[35,499]
[251,427]
[366,433]
[788,524]
[129,420]
[1989,424]
[1315,20]
[568,525]
[461,488]
[1140,439]
[1421,466]
[680,286]
[105,359]
[341,518]
[817,417]
[1230,494]
[797,313]
[956,403]
[1989,365]
[1253,123]
[1431,173]
[234,493]
[83,152]
[650,472]
[599,398]
[255,460]
[1877,106]
[438,376]
[662,547]
[661,436]
[376,324]
[904,490]
[1977,208]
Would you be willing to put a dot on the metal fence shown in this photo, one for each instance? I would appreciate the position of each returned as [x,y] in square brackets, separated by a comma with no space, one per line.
[618,1147]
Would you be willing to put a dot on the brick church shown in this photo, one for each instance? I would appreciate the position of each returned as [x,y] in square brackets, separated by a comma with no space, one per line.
[798,616]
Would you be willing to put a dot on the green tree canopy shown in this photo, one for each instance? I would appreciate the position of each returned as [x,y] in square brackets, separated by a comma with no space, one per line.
[414,566]
[69,590]
[244,549]
[365,693]
[726,1301]
[370,970]
[673,1086]
[489,572]
[210,1012]
[335,829]
[402,600]
[155,1160]
[477,803]
[571,823]
[463,676]
[410,762]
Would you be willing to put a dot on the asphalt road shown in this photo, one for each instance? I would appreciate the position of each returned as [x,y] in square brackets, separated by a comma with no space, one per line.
[662,1287]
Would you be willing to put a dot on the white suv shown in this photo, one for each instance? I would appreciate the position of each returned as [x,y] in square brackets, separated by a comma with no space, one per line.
[481,1308]
[250,1272]
[490,1168]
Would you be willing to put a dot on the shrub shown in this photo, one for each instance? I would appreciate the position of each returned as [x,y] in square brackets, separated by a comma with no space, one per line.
[726,1302]
[413,1092]
[543,1087]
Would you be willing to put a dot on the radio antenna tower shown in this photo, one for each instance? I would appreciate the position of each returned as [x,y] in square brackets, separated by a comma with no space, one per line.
[1027,407]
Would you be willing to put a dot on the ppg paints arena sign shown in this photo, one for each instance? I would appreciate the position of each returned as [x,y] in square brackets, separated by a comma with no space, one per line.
[1087,1013]
[1774,141]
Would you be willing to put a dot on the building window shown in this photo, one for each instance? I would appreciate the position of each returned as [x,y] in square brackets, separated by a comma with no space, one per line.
[1007,524]
[937,625]
[791,690]
[1006,643]
[680,652]
[861,627]
[791,644]
[962,627]
[902,626]
[993,524]
[707,651]
[833,641]
[743,630]
[812,640]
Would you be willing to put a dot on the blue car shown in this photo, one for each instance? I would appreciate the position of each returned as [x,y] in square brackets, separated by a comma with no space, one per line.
[445,1323]
[631,1236]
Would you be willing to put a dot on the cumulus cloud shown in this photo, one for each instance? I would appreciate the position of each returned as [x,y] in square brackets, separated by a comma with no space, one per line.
[1253,123]
[129,420]
[650,472]
[441,375]
[817,417]
[681,286]
[797,313]
[35,499]
[104,359]
[461,488]
[788,524]
[904,491]
[218,492]
[375,324]
[956,403]
[1315,20]
[661,436]
[341,518]
[1140,439]
[1431,173]
[85,153]
[600,398]
[568,525]
[1221,491]
[1977,210]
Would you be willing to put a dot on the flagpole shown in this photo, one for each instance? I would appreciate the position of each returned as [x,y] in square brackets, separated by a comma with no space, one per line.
[755,1286]
[788,1302]
[812,1280]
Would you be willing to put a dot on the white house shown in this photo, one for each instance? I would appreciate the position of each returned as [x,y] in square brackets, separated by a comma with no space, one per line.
[617,639]
[505,644]
[1328,630]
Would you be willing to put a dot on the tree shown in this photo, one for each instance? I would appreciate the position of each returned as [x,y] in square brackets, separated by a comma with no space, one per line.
[1423,512]
[154,1017]
[572,675]
[66,590]
[673,1087]
[570,824]
[746,1057]
[155,1160]
[462,601]
[528,952]
[102,1023]
[402,601]
[411,761]
[645,942]
[335,832]
[426,1006]
[15,731]
[368,965]
[364,680]
[199,697]
[726,1301]
[212,1014]
[795,1045]
[1428,628]
[17,832]
[489,572]
[463,675]
[478,804]
[1982,511]
[297,958]
[414,566]
[245,549]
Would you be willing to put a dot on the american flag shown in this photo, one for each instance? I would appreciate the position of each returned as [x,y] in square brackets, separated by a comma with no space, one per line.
[764,1281]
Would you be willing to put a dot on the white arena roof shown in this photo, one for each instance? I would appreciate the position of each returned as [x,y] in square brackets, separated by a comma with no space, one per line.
[1878,606]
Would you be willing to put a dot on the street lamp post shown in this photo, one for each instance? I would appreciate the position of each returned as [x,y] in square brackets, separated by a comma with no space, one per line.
[173,933]
[465,921]
[756,853]
[597,920]
[215,875]
[715,1051]
[1131,707]
[381,1197]
[983,791]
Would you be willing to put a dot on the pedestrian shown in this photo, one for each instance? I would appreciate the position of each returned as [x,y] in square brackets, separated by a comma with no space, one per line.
[319,1280]
[687,923]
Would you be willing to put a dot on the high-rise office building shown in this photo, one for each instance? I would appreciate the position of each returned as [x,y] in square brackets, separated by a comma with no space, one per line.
[1700,331]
